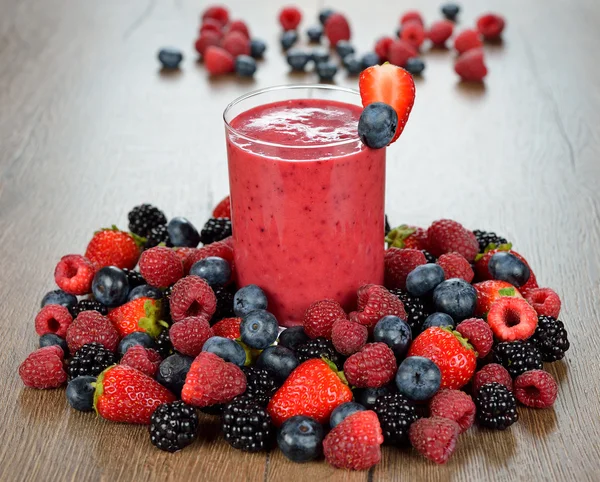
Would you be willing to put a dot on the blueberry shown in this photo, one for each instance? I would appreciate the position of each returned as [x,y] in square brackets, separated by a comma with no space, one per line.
[245,66]
[418,378]
[377,125]
[170,58]
[326,70]
[133,339]
[279,361]
[227,349]
[367,396]
[423,279]
[59,297]
[292,337]
[247,299]
[395,333]
[319,55]
[145,291]
[343,48]
[80,393]
[182,233]
[450,11]
[455,297]
[215,270]
[50,339]
[314,33]
[324,15]
[288,38]
[110,286]
[172,372]
[300,438]
[257,48]
[352,64]
[297,59]
[415,66]
[259,329]
[438,319]
[342,411]
[507,267]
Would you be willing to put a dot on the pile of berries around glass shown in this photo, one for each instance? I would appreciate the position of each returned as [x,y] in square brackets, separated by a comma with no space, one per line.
[417,363]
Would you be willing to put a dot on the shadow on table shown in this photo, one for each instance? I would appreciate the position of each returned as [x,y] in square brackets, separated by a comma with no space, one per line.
[539,422]
[496,447]
[471,90]
[169,74]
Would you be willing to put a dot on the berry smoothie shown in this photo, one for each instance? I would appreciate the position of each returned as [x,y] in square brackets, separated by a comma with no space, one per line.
[307,204]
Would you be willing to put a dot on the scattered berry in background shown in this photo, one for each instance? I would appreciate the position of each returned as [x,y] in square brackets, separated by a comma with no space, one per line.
[170,58]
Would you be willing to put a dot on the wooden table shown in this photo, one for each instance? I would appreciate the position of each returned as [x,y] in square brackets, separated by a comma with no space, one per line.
[90,127]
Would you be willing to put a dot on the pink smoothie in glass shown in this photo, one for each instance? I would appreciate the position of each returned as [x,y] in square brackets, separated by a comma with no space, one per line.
[307,204]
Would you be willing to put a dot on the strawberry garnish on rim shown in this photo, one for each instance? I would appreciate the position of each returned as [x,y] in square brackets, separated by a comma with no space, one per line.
[392,85]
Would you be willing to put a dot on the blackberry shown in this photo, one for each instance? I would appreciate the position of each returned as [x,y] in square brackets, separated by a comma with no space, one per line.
[260,385]
[88,305]
[213,409]
[90,360]
[485,238]
[156,236]
[215,229]
[396,414]
[164,347]
[496,406]
[173,426]
[428,256]
[517,357]
[224,304]
[247,425]
[166,305]
[416,313]
[134,278]
[550,338]
[145,217]
[317,348]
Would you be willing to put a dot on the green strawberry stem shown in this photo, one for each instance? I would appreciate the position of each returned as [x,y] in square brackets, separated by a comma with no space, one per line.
[463,341]
[397,236]
[151,323]
[333,367]
[140,241]
[491,247]
[99,388]
[507,292]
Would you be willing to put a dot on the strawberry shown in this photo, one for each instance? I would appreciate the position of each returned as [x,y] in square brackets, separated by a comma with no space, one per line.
[227,328]
[447,236]
[313,389]
[141,314]
[405,236]
[482,272]
[111,247]
[453,355]
[223,209]
[490,291]
[391,85]
[124,394]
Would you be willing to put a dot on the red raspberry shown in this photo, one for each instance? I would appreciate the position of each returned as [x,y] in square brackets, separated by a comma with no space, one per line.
[239,26]
[400,51]
[184,252]
[222,249]
[536,388]
[217,12]
[470,66]
[413,32]
[143,359]
[74,274]
[290,18]
[545,302]
[466,40]
[44,368]
[211,25]
[372,367]
[206,40]
[454,405]
[227,328]
[192,296]
[399,263]
[382,47]
[479,334]
[218,61]
[411,16]
[223,209]
[355,442]
[434,438]
[53,319]
[89,327]
[236,43]
[348,337]
[491,373]
[320,316]
[161,267]
[375,302]
[456,266]
[189,335]
[490,26]
[111,247]
[440,31]
[447,236]
[337,28]
[512,319]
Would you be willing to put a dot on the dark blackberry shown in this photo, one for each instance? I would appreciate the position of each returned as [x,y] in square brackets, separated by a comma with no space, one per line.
[550,338]
[213,410]
[90,360]
[215,229]
[416,313]
[166,306]
[317,348]
[134,278]
[247,425]
[224,304]
[156,236]
[88,305]
[517,357]
[485,238]
[164,347]
[260,385]
[145,217]
[396,414]
[428,256]
[173,426]
[388,228]
[496,406]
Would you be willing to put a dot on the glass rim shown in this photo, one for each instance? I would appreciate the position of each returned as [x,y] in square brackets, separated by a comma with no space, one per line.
[254,93]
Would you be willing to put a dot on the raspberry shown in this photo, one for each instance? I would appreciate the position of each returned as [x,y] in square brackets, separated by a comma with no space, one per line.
[74,274]
[218,61]
[372,367]
[227,328]
[466,40]
[479,334]
[90,327]
[290,18]
[206,40]
[440,31]
[218,13]
[470,66]
[211,25]
[161,267]
[399,263]
[320,316]
[447,236]
[53,319]
[411,16]
[189,335]
[434,438]
[348,337]
[456,266]
[492,373]
[223,209]
[536,388]
[382,47]
[337,28]
[239,26]
[453,405]
[413,33]
[545,302]
[44,368]
[512,319]
[375,302]
[192,296]
[143,359]
[236,43]
[184,252]
[400,51]
[222,249]
[490,26]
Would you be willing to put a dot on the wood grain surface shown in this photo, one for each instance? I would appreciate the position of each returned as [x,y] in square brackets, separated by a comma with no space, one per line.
[89,127]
